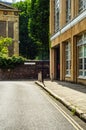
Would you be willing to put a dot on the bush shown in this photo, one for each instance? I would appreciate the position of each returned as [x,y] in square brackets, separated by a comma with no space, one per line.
[4,44]
[10,62]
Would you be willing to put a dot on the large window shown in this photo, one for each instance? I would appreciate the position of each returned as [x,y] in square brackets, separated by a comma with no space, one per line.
[82,5]
[68,10]
[81,43]
[3,28]
[68,58]
[56,15]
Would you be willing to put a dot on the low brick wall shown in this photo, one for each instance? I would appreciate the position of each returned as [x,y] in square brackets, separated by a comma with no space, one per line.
[28,70]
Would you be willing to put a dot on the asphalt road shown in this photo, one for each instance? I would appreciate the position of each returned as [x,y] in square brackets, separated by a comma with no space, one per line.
[24,107]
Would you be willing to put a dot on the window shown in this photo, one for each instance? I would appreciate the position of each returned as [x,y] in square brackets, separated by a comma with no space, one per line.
[82,5]
[3,28]
[81,43]
[56,15]
[68,10]
[68,58]
[11,29]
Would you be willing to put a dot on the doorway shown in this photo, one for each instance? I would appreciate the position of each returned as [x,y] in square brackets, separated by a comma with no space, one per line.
[58,62]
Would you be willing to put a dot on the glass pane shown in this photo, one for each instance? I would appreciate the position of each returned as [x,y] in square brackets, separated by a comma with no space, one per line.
[80,63]
[84,63]
[85,73]
[85,66]
[84,50]
[66,64]
[81,5]
[67,72]
[80,51]
[80,67]
[80,73]
[85,32]
[85,60]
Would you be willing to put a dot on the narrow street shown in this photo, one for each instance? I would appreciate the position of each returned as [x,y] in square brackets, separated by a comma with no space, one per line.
[24,107]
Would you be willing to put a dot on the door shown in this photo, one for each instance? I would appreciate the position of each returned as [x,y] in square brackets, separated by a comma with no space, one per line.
[58,63]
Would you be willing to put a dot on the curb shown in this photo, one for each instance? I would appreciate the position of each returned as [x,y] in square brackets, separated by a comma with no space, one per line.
[77,111]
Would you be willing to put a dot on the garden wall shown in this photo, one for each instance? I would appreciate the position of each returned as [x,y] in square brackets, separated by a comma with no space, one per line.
[28,70]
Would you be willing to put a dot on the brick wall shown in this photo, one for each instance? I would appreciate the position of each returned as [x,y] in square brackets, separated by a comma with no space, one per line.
[28,70]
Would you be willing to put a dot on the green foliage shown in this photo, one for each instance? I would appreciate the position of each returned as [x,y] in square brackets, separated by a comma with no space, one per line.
[73,111]
[10,62]
[39,25]
[34,28]
[4,44]
[27,46]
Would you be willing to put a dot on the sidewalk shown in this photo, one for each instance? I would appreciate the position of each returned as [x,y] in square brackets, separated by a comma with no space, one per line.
[73,96]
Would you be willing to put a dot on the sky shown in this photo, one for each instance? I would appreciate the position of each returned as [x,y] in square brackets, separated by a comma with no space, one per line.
[11,0]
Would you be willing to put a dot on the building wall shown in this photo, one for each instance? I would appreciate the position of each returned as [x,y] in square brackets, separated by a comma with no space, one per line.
[67,32]
[9,27]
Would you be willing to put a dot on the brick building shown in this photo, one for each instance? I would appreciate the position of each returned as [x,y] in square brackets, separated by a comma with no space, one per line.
[68,40]
[9,26]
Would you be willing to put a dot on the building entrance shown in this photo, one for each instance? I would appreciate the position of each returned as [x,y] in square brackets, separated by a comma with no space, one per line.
[58,63]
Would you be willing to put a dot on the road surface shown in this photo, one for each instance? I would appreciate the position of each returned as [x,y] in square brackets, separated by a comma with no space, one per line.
[24,107]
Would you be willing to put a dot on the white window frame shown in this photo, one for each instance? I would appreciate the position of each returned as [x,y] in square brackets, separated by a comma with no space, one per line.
[68,10]
[83,6]
[68,59]
[57,8]
[81,43]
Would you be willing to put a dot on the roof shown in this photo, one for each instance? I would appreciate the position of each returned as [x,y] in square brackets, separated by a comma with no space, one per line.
[7,6]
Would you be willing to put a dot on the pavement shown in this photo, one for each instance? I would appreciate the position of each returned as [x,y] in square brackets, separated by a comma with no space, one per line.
[73,96]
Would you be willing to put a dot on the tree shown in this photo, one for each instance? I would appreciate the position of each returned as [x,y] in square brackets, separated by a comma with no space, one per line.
[28,47]
[34,28]
[39,24]
[4,44]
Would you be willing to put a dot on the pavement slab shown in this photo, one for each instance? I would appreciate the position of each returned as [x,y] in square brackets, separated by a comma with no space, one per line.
[71,95]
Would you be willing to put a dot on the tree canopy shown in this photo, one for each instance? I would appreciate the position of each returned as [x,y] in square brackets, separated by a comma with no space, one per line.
[34,28]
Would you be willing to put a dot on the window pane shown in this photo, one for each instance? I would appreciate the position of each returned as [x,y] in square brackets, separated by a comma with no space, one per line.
[66,64]
[84,50]
[80,73]
[85,73]
[84,63]
[80,63]
[56,15]
[68,10]
[3,28]
[80,51]
[81,5]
